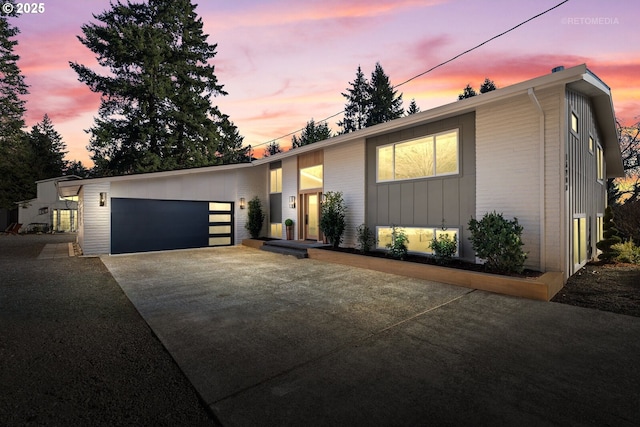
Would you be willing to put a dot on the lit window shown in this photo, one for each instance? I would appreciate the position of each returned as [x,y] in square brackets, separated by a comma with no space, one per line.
[600,225]
[574,122]
[311,177]
[600,163]
[275,230]
[275,181]
[579,240]
[591,145]
[432,155]
[419,237]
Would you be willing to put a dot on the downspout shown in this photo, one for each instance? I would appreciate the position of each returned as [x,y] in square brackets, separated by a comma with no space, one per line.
[541,166]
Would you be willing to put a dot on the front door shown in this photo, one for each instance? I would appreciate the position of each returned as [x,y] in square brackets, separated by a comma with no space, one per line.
[311,216]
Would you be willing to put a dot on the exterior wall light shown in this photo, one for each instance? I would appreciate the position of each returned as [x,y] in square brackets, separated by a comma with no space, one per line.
[103,199]
[292,202]
[242,203]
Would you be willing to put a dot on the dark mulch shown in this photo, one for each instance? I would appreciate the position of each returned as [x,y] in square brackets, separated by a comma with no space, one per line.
[607,287]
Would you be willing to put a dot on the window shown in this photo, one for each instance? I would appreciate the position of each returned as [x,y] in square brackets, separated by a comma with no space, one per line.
[275,230]
[600,225]
[574,122]
[43,211]
[419,237]
[311,177]
[275,180]
[579,240]
[600,163]
[432,155]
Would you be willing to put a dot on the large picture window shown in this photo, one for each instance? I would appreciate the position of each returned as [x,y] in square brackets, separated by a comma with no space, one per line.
[432,155]
[419,237]
[311,177]
[275,180]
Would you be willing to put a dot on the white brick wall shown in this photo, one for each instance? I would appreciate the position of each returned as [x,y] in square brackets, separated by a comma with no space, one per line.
[344,170]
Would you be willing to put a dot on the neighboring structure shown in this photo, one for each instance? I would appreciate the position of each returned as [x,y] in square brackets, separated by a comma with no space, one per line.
[49,211]
[540,150]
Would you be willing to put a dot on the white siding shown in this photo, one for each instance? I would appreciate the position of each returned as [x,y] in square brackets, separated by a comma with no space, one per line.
[95,223]
[290,188]
[251,182]
[344,170]
[507,167]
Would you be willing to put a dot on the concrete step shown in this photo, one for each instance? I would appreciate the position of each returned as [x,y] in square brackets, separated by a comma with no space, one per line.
[299,253]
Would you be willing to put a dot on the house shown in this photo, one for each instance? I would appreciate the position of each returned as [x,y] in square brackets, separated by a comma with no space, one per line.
[540,150]
[49,211]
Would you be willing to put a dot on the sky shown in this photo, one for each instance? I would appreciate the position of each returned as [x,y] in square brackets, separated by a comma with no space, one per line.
[284,62]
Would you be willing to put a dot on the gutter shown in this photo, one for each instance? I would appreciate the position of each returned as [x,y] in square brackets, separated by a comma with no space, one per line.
[541,166]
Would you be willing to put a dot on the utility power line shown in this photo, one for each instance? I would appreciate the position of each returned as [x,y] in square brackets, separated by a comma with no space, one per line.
[432,68]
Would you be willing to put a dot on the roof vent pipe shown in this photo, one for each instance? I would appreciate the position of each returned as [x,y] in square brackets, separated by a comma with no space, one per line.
[558,68]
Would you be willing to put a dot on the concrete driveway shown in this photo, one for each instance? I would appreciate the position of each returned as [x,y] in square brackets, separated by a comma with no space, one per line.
[268,339]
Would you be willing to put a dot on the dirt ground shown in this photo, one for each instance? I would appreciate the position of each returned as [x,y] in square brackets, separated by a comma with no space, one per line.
[608,287]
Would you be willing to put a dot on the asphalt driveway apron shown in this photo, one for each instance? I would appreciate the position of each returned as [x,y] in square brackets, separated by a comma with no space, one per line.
[268,339]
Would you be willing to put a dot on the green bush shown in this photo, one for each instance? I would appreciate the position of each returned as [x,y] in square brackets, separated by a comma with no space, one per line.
[333,215]
[444,248]
[398,246]
[611,237]
[255,218]
[628,252]
[499,242]
[366,238]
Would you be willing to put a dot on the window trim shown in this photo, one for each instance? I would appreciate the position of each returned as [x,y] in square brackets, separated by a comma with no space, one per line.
[278,173]
[592,144]
[600,164]
[571,116]
[435,162]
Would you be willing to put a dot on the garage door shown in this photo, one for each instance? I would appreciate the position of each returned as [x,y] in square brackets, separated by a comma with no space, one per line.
[142,225]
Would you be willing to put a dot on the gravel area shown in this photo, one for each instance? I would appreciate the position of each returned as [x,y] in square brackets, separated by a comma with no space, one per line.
[74,350]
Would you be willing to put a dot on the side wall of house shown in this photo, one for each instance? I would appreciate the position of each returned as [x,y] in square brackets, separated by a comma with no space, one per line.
[251,183]
[427,202]
[587,192]
[509,179]
[94,236]
[290,188]
[344,170]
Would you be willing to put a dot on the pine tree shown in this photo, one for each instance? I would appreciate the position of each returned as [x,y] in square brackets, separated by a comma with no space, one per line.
[47,150]
[357,108]
[384,104]
[467,92]
[487,86]
[311,133]
[156,111]
[75,167]
[413,108]
[16,182]
[272,148]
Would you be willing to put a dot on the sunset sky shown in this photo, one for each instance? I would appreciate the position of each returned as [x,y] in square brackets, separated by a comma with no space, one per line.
[284,62]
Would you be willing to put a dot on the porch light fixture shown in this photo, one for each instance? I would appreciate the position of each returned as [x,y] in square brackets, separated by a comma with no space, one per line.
[103,199]
[292,202]
[242,203]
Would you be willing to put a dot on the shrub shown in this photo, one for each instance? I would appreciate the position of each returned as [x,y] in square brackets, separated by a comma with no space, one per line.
[499,242]
[611,237]
[398,246]
[288,222]
[333,217]
[444,248]
[627,252]
[255,218]
[366,238]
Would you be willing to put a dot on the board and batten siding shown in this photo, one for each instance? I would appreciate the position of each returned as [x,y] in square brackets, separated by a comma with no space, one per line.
[344,170]
[509,173]
[426,202]
[94,220]
[586,194]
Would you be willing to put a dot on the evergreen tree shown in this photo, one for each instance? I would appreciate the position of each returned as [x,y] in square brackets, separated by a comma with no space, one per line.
[357,108]
[16,182]
[413,108]
[311,133]
[383,102]
[487,86]
[156,111]
[610,237]
[47,150]
[467,92]
[75,167]
[272,148]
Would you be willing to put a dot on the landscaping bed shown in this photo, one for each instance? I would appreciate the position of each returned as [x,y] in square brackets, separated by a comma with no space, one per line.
[607,287]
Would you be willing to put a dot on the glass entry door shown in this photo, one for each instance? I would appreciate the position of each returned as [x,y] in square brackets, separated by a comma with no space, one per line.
[311,216]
